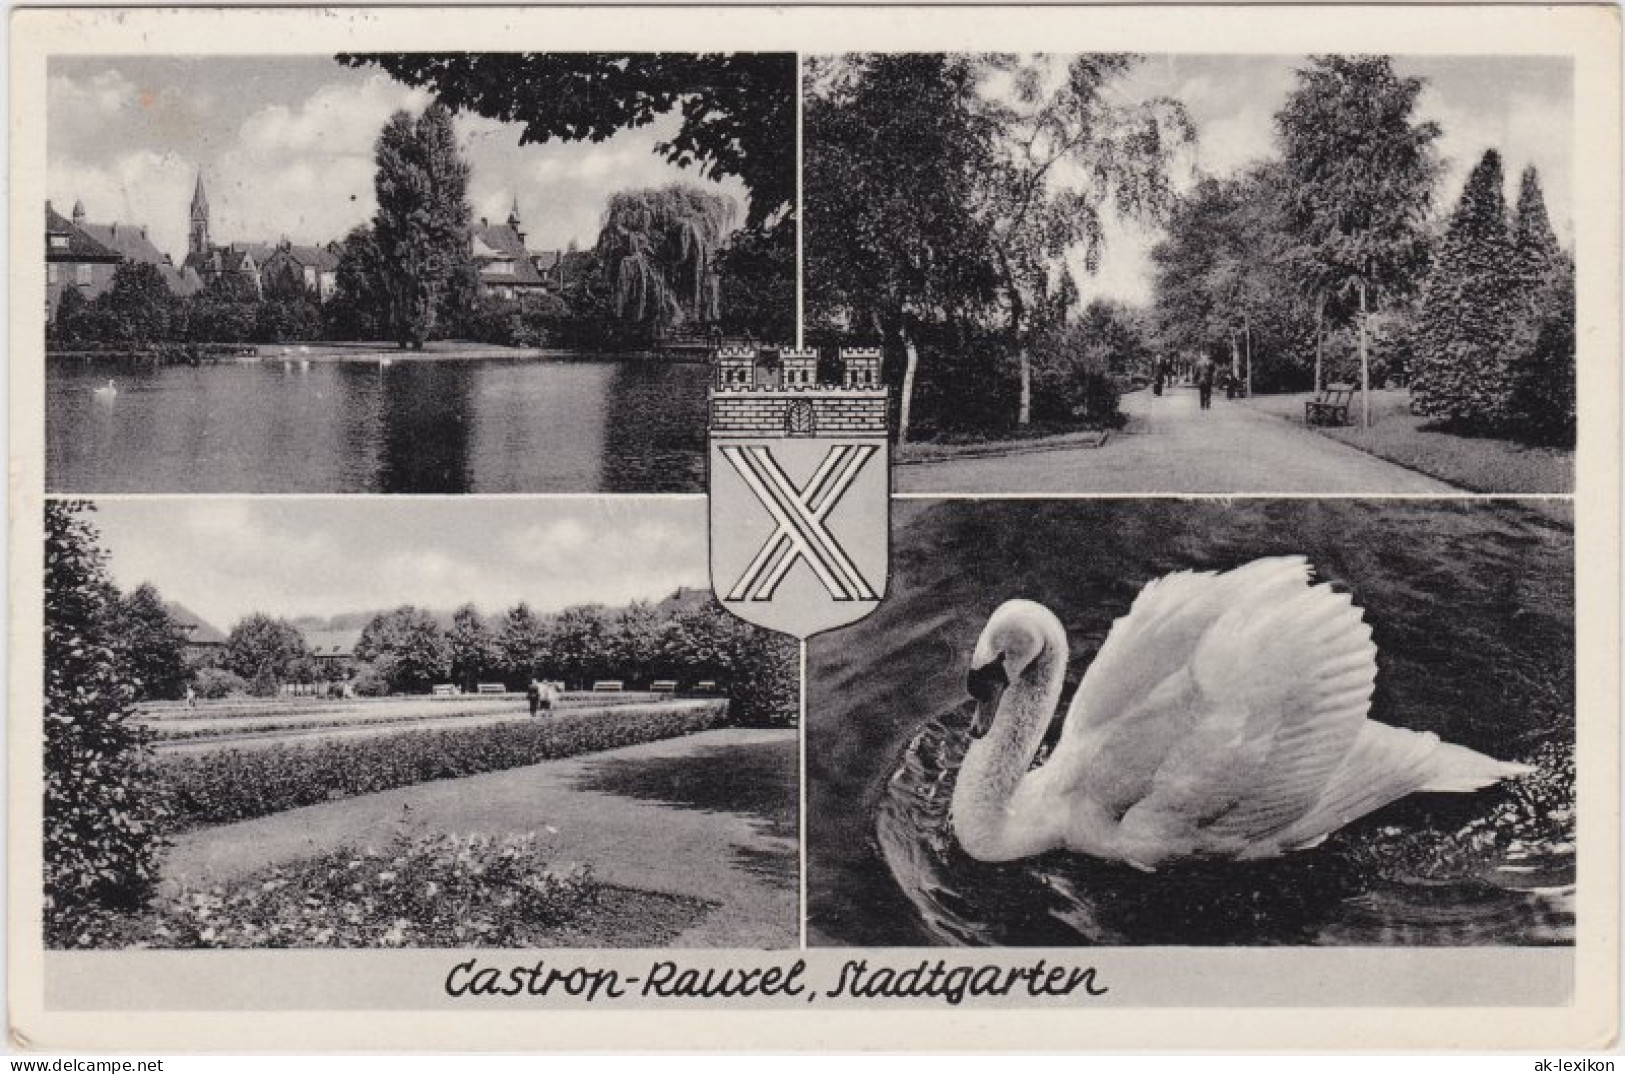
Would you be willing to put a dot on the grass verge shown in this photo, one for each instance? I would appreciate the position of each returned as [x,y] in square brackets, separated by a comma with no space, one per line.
[1474,463]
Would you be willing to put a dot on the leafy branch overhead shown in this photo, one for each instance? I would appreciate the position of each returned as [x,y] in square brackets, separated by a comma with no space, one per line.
[738,110]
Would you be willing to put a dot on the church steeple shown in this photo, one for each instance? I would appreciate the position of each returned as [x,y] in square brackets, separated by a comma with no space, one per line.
[78,213]
[198,236]
[513,219]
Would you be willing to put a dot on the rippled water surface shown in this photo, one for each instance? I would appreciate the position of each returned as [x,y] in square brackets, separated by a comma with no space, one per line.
[440,426]
[1471,609]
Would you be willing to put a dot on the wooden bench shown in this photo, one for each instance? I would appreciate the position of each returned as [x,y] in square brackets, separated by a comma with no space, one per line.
[663,686]
[445,689]
[608,686]
[1330,407]
[491,688]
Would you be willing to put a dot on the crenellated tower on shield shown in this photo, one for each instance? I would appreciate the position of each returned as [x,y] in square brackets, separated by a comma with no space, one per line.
[800,488]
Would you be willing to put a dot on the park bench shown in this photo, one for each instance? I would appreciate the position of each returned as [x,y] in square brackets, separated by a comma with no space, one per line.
[1330,407]
[608,686]
[705,686]
[445,689]
[491,688]
[664,686]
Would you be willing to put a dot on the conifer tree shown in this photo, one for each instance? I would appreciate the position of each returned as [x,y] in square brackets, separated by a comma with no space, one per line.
[1542,374]
[1469,309]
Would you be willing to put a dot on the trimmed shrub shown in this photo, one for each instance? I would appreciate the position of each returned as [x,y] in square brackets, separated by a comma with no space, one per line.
[214,683]
[236,784]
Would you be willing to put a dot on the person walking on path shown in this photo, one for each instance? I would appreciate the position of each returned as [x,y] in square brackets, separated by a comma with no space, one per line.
[533,696]
[1205,370]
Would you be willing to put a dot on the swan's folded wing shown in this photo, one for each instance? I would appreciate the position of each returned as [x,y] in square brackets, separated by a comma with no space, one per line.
[1386,764]
[1158,637]
[1289,684]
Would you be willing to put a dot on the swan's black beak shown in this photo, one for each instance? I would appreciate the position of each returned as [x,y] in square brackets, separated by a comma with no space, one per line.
[986,684]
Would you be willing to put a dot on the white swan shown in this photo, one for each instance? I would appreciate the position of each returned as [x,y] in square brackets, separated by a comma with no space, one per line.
[1224,717]
[107,391]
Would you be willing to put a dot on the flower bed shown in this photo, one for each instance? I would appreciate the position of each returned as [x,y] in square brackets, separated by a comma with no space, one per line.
[427,892]
[227,785]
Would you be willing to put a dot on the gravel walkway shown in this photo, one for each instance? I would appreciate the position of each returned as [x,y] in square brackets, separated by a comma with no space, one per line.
[1172,446]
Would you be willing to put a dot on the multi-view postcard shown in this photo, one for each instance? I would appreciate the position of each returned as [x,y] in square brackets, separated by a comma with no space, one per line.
[985,532]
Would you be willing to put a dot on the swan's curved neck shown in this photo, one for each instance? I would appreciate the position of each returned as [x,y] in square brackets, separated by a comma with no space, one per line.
[987,819]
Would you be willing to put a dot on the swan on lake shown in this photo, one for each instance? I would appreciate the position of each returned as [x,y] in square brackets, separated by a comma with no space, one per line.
[106,391]
[1223,717]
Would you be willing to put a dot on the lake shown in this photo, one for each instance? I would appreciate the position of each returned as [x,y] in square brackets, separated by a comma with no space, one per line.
[1472,611]
[446,425]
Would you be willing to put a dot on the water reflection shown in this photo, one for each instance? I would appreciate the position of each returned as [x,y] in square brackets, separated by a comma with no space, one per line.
[447,426]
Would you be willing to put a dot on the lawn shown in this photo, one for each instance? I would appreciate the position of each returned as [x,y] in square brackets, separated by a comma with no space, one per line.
[1474,463]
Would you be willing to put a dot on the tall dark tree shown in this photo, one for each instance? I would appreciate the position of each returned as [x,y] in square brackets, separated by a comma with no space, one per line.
[135,308]
[409,642]
[1537,257]
[521,644]
[421,226]
[895,143]
[474,652]
[1542,406]
[359,308]
[1470,309]
[1358,172]
[103,807]
[738,110]
[154,645]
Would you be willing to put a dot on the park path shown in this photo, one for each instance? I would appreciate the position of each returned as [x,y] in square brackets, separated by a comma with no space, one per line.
[1172,446]
[710,816]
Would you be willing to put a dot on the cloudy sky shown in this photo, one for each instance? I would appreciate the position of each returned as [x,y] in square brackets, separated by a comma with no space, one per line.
[1522,106]
[288,557]
[286,144]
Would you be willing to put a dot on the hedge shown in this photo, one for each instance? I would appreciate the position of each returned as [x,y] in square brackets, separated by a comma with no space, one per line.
[227,785]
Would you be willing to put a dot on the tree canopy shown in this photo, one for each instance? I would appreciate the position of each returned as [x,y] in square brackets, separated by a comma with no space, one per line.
[962,190]
[738,110]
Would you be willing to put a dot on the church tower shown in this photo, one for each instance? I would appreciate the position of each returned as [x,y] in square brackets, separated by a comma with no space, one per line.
[513,220]
[198,237]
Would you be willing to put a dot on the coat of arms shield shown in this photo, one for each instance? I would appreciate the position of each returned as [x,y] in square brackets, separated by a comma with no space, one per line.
[800,488]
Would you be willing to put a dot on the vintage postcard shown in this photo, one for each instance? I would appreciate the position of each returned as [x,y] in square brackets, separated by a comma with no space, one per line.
[1035,528]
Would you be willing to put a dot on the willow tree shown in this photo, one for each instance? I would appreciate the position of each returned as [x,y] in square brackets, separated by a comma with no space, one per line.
[658,249]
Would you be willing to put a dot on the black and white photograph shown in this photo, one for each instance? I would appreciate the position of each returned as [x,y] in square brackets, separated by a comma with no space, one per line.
[760,528]
[416,273]
[1192,723]
[520,724]
[1331,274]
